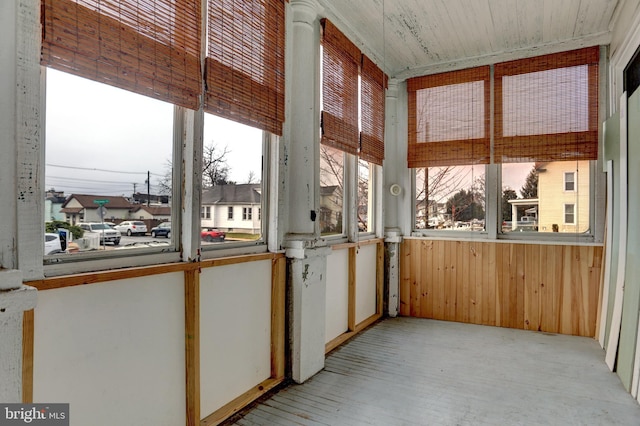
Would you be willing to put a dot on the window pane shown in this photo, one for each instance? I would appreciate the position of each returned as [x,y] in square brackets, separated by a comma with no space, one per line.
[546,197]
[110,148]
[331,190]
[450,198]
[231,182]
[365,196]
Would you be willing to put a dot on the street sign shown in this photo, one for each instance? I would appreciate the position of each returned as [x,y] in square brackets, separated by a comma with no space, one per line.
[102,212]
[100,202]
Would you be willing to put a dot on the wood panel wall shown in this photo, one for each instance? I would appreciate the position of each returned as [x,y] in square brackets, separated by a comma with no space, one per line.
[551,288]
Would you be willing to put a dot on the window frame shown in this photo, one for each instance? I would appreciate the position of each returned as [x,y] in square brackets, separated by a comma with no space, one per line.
[143,256]
[572,181]
[573,213]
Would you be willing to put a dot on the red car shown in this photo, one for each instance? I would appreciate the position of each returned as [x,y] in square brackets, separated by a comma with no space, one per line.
[211,234]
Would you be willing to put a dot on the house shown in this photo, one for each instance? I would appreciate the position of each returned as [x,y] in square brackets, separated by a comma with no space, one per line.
[331,209]
[153,212]
[233,207]
[564,194]
[184,333]
[84,208]
[52,204]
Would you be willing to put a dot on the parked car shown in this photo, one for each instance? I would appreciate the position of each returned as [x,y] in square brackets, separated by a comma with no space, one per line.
[107,233]
[162,230]
[212,234]
[52,244]
[132,227]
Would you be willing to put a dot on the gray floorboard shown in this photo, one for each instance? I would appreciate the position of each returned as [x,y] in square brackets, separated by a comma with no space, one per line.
[409,371]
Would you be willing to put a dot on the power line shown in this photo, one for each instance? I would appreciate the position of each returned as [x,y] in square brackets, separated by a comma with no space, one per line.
[87,180]
[101,170]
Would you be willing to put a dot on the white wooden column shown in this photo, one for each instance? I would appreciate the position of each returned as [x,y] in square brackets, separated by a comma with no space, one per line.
[392,203]
[306,254]
[21,176]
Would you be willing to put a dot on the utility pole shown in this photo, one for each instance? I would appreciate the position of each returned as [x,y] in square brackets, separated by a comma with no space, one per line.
[148,188]
[134,188]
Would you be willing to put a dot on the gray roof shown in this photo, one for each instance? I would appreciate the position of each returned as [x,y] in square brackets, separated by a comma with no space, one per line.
[247,193]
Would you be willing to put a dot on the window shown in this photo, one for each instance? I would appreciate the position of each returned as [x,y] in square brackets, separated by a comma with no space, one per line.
[364,213]
[107,151]
[352,125]
[450,198]
[569,181]
[331,190]
[533,196]
[231,176]
[205,212]
[569,214]
[544,144]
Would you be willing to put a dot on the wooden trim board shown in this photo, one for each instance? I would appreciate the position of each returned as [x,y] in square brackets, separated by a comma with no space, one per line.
[240,402]
[27,356]
[278,286]
[192,345]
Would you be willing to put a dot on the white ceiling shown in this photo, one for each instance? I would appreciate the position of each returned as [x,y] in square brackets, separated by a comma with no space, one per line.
[418,37]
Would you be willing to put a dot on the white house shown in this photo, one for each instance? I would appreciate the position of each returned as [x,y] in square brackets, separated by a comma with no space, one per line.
[232,208]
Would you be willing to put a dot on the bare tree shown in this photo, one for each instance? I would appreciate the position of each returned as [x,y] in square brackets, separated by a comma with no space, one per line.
[331,189]
[164,183]
[252,177]
[215,169]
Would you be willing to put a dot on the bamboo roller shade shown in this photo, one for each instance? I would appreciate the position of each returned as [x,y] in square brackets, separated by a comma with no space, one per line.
[449,120]
[373,84]
[546,109]
[148,47]
[245,62]
[340,60]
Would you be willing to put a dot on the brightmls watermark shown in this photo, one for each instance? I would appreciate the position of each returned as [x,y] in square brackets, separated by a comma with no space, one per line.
[34,414]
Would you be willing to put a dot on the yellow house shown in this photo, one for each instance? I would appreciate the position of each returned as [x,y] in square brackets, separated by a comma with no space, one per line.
[563,193]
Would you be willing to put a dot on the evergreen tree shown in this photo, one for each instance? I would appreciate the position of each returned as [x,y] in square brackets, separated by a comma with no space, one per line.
[530,188]
[507,194]
[463,206]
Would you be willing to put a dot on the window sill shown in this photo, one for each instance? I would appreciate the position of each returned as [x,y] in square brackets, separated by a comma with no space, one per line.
[570,240]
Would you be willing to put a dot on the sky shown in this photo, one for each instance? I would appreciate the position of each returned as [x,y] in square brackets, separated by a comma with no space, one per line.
[102,140]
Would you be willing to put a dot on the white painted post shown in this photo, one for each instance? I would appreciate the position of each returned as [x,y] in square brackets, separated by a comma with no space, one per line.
[21,166]
[301,149]
[392,229]
[302,125]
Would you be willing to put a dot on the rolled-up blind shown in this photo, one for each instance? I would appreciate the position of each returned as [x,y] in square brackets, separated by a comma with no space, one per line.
[449,118]
[340,61]
[546,108]
[151,47]
[372,99]
[245,62]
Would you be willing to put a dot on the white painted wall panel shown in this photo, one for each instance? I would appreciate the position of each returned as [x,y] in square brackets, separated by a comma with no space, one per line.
[365,282]
[114,351]
[235,331]
[336,320]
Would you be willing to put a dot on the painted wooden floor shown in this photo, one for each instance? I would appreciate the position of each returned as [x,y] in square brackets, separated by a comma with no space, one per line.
[410,371]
